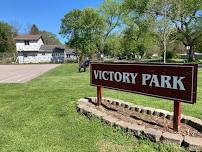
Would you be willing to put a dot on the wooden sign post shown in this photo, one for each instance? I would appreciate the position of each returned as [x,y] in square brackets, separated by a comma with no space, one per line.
[177,82]
[99,95]
[177,115]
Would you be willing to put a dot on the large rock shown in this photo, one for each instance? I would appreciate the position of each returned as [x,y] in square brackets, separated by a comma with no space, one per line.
[136,130]
[193,143]
[122,124]
[81,106]
[138,108]
[152,134]
[99,114]
[194,122]
[110,120]
[161,112]
[169,116]
[82,101]
[148,110]
[91,99]
[172,138]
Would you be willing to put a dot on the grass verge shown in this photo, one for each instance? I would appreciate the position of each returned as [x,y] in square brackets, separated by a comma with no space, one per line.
[40,116]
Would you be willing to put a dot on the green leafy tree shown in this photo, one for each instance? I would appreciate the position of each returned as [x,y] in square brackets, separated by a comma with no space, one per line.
[7,35]
[137,41]
[185,15]
[50,38]
[111,12]
[83,29]
[182,15]
[163,25]
[198,27]
[113,46]
[138,25]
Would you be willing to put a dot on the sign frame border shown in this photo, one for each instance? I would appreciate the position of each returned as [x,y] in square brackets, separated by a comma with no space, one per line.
[194,79]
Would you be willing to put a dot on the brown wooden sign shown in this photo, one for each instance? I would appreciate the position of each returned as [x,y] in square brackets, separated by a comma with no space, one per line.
[169,81]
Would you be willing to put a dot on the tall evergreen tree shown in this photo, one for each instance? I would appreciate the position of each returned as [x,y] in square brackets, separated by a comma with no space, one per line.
[48,37]
[34,30]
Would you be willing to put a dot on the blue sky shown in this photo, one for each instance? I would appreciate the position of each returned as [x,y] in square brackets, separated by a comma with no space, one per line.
[46,14]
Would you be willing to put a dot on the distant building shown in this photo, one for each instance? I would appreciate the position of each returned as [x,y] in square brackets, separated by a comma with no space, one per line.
[197,55]
[31,49]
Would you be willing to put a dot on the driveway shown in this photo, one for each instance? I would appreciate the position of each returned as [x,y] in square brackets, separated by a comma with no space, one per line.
[23,73]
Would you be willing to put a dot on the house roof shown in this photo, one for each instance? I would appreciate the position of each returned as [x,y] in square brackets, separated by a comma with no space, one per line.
[28,37]
[70,51]
[51,48]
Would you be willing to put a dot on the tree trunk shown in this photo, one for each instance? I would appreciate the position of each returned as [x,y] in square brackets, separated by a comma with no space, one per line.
[164,52]
[188,43]
[190,54]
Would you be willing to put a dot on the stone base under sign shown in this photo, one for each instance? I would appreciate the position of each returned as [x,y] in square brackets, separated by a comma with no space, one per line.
[114,112]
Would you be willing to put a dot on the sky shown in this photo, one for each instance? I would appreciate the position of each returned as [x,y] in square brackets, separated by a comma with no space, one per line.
[46,14]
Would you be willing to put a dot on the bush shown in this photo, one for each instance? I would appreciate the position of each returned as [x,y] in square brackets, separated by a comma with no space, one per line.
[169,55]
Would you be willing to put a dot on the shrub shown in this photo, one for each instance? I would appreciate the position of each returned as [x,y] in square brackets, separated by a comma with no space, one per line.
[169,55]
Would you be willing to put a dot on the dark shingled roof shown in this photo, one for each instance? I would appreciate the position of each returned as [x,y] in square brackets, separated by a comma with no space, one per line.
[70,51]
[51,48]
[28,37]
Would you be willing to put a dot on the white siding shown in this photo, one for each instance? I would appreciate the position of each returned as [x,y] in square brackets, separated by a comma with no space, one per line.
[32,54]
[30,59]
[72,57]
[39,58]
[44,57]
[33,45]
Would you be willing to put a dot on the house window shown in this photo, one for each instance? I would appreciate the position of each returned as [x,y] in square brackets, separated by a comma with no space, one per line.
[32,54]
[43,53]
[25,54]
[26,42]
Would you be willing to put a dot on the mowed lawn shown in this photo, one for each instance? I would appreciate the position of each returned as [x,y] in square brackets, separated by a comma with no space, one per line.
[41,116]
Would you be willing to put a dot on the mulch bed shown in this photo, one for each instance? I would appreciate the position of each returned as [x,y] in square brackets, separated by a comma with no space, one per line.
[149,121]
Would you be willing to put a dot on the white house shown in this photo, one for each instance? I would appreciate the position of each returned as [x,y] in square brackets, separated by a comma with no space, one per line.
[31,49]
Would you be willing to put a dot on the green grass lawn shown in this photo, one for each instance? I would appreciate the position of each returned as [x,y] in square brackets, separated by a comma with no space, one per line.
[40,116]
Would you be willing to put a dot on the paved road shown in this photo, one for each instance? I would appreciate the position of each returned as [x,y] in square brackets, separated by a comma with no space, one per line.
[23,73]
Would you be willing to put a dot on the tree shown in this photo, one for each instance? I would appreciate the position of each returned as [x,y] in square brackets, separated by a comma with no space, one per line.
[182,15]
[185,15]
[49,38]
[162,8]
[16,26]
[113,46]
[70,27]
[83,29]
[110,10]
[155,12]
[7,35]
[198,26]
[34,30]
[138,26]
[138,40]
